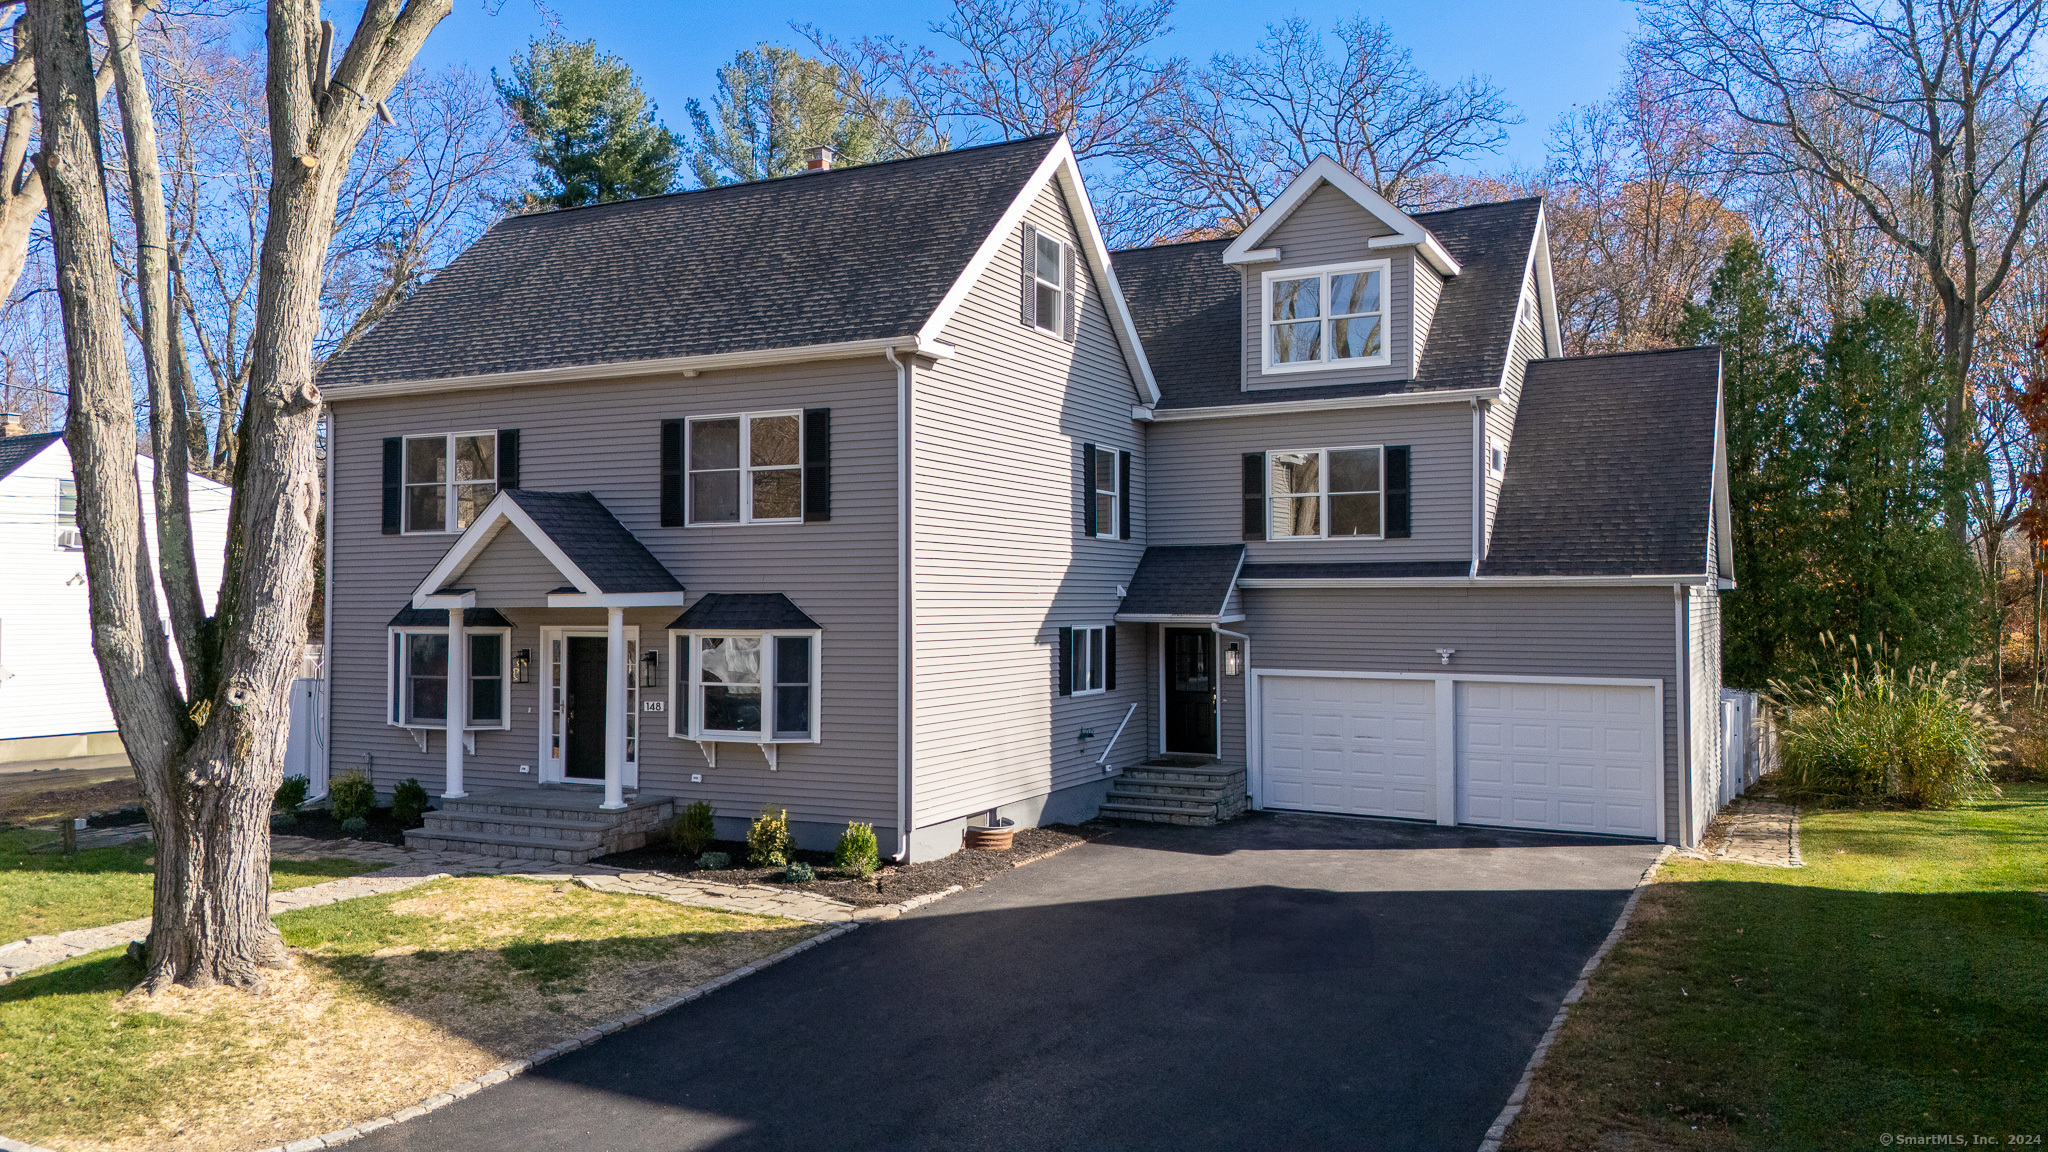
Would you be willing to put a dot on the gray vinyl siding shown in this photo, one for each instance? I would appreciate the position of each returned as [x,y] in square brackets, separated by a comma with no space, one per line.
[1429,290]
[1329,227]
[1500,418]
[1607,632]
[604,437]
[999,562]
[1704,655]
[1198,478]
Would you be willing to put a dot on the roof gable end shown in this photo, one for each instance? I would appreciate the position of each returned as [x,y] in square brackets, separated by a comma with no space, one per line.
[1407,232]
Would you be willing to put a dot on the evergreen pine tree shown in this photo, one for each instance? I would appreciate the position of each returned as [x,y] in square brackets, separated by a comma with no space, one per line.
[591,130]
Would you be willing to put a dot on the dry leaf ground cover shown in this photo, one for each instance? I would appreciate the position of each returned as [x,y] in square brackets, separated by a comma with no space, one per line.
[1895,985]
[392,999]
[47,892]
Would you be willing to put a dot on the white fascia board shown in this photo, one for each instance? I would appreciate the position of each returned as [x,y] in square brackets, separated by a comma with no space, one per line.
[1334,403]
[1471,581]
[1546,285]
[496,515]
[1167,618]
[627,369]
[463,599]
[674,599]
[1529,264]
[1141,413]
[1059,164]
[1724,516]
[1325,170]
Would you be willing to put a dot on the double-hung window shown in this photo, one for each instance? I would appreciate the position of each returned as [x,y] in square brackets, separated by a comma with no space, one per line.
[1106,493]
[418,696]
[749,686]
[1087,660]
[746,469]
[67,503]
[449,479]
[1326,317]
[1320,493]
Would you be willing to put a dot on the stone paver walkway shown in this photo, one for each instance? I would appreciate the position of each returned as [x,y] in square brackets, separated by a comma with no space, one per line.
[1747,831]
[405,867]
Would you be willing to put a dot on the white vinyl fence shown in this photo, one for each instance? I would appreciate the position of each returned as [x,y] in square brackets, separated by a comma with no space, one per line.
[305,750]
[1745,742]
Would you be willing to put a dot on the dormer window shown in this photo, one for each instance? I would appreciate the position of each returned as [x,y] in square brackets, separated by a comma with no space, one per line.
[1327,317]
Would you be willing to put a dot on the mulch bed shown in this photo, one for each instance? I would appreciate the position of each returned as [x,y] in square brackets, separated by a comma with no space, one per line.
[318,824]
[24,803]
[894,883]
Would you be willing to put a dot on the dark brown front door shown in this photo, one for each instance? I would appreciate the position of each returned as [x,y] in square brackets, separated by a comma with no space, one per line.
[583,745]
[1191,691]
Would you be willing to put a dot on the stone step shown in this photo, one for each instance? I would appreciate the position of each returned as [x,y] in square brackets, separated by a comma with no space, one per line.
[1158,814]
[470,823]
[504,847]
[1183,803]
[1196,776]
[537,810]
[1179,791]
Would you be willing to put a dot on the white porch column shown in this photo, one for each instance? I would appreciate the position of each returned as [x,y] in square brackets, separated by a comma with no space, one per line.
[615,673]
[458,702]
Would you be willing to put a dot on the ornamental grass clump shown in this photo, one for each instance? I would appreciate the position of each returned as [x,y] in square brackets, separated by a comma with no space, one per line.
[857,851]
[768,841]
[1919,737]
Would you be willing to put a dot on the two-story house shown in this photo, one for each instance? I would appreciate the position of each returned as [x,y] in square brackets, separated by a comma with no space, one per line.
[887,494]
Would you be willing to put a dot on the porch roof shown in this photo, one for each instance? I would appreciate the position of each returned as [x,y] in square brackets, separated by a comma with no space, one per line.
[411,617]
[1187,581]
[604,563]
[744,612]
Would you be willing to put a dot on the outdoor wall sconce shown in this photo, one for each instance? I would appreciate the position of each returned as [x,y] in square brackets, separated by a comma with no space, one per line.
[522,666]
[1233,661]
[650,663]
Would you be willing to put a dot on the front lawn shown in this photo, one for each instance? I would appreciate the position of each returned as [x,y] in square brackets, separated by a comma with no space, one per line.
[47,892]
[391,999]
[1895,985]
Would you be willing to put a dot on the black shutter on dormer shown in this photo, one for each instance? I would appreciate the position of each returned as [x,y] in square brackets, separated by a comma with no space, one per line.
[394,485]
[817,464]
[1066,661]
[1109,657]
[672,474]
[1123,496]
[1029,265]
[1254,488]
[508,458]
[1088,524]
[1398,518]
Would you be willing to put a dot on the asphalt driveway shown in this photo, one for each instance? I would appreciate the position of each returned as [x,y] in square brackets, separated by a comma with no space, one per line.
[1285,982]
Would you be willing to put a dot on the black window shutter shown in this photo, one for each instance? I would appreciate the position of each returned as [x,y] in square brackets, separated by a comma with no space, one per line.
[508,458]
[1030,266]
[394,484]
[1109,657]
[817,464]
[1398,518]
[1255,495]
[672,474]
[1070,325]
[1066,661]
[1088,525]
[1123,496]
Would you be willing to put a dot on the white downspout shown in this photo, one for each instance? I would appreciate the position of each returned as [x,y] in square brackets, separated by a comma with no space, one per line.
[327,617]
[1684,704]
[1478,484]
[904,745]
[615,674]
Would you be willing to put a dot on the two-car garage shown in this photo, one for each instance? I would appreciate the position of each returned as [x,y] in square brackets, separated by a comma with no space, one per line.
[1562,755]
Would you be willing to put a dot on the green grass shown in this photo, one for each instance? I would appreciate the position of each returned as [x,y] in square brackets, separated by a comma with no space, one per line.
[46,892]
[1897,984]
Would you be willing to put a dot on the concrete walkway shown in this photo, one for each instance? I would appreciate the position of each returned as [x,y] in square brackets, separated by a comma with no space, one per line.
[405,868]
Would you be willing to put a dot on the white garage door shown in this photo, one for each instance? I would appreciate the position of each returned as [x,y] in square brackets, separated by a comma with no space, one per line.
[1572,757]
[1342,744]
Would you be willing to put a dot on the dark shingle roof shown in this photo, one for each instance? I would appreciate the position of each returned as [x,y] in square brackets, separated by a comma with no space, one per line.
[1372,570]
[1182,580]
[18,450]
[1612,469]
[744,612]
[850,254]
[411,617]
[1187,305]
[594,540]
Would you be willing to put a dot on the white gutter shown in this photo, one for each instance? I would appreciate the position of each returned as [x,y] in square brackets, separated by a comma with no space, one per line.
[625,369]
[904,746]
[1167,618]
[1469,581]
[1333,404]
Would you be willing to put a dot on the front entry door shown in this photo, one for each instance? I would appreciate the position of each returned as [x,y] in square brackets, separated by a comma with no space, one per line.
[1191,691]
[583,726]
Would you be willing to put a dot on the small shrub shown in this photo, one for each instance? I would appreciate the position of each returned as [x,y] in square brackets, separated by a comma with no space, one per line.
[799,872]
[695,829]
[283,821]
[857,852]
[768,841]
[291,794]
[351,795]
[409,802]
[714,861]
[355,825]
[1869,731]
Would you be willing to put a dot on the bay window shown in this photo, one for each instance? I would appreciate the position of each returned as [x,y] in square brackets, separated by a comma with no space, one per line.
[418,690]
[753,687]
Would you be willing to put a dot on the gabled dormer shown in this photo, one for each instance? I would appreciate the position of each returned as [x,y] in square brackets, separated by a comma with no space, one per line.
[1340,286]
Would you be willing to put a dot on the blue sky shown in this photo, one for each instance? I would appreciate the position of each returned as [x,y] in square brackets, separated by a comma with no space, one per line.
[1547,54]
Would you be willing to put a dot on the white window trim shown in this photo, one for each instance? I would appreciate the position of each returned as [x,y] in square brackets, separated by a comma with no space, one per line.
[1038,280]
[1323,492]
[746,469]
[1096,635]
[1386,353]
[395,679]
[1108,529]
[552,766]
[684,683]
[449,507]
[1496,456]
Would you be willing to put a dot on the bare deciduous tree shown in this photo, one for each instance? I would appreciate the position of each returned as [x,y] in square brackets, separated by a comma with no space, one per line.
[208,755]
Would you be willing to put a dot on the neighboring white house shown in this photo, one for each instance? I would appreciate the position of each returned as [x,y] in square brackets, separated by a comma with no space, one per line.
[52,702]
